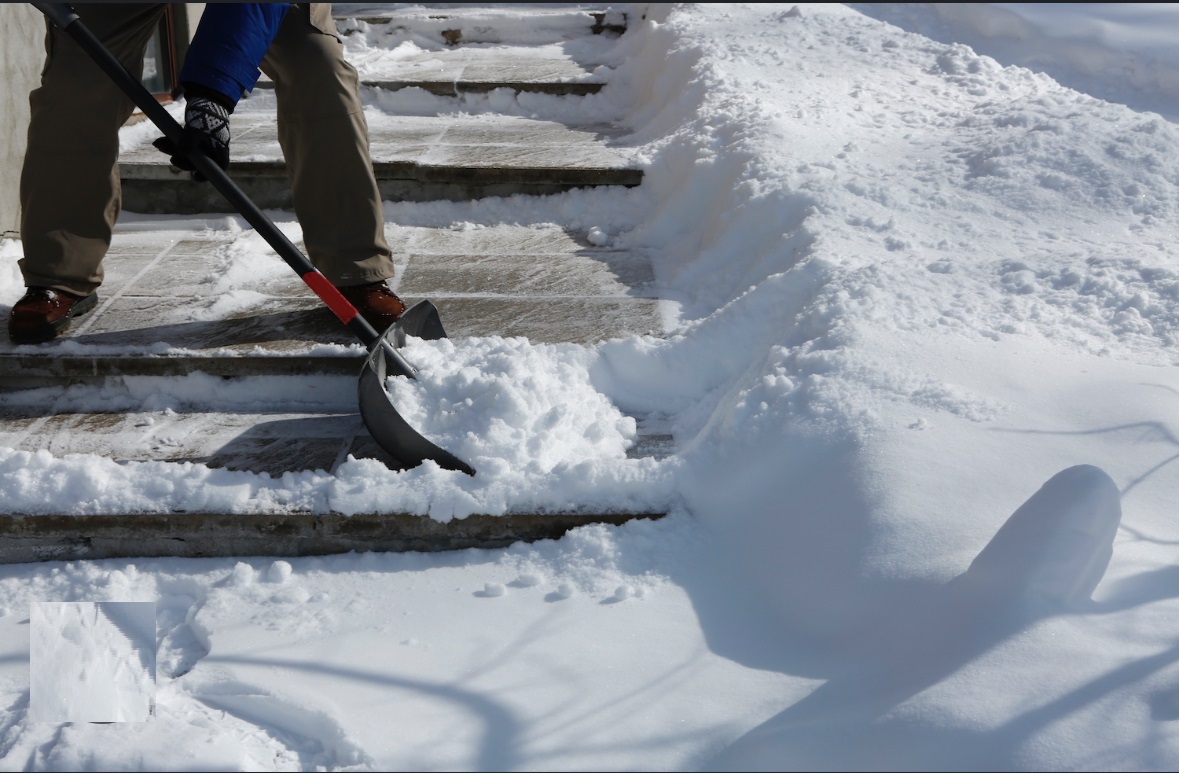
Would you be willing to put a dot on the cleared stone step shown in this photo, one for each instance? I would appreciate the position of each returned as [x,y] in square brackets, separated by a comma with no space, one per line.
[31,371]
[227,348]
[460,87]
[273,442]
[415,158]
[482,24]
[164,310]
[451,72]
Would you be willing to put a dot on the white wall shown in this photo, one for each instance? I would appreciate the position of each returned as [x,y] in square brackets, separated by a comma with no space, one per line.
[22,55]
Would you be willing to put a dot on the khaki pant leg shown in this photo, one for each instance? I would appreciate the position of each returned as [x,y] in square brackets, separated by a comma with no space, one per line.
[69,189]
[324,138]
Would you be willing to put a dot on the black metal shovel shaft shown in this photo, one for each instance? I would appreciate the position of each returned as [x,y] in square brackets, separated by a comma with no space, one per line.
[408,446]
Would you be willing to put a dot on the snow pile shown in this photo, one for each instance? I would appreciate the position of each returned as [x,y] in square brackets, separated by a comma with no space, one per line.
[511,406]
[1123,52]
[920,249]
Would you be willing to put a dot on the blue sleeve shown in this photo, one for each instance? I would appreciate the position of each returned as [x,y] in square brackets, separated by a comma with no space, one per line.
[230,42]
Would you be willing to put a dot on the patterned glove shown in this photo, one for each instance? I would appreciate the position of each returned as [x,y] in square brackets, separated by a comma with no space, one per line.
[206,126]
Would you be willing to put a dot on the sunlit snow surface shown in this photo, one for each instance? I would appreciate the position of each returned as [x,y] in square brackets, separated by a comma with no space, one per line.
[925,301]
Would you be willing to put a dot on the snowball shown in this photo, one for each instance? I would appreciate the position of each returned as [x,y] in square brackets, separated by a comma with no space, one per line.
[598,237]
[243,575]
[279,572]
[527,580]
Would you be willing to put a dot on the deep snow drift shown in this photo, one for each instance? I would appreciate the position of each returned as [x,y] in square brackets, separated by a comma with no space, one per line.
[920,375]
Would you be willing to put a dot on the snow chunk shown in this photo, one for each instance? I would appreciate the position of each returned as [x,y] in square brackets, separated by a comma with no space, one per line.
[506,404]
[597,237]
[493,589]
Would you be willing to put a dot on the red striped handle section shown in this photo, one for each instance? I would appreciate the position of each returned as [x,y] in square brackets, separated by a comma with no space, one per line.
[328,293]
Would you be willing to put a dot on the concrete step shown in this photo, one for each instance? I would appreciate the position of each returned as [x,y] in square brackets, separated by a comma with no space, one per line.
[452,72]
[274,442]
[164,311]
[416,158]
[497,23]
[29,538]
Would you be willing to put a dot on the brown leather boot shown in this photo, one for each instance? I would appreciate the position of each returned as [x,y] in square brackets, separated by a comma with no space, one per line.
[44,313]
[379,305]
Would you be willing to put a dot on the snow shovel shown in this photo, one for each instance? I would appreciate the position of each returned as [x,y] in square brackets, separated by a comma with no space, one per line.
[387,427]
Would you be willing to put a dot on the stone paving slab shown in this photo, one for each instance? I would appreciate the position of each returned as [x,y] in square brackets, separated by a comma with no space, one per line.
[494,23]
[286,339]
[550,69]
[415,158]
[456,140]
[588,320]
[162,310]
[272,442]
[49,366]
[551,275]
[276,325]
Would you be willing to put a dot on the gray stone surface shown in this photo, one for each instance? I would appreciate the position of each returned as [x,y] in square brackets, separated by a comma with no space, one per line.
[50,366]
[594,274]
[587,320]
[492,23]
[271,442]
[160,311]
[415,158]
[475,69]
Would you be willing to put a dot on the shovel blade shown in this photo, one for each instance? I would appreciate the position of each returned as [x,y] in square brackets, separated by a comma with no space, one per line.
[387,427]
[420,321]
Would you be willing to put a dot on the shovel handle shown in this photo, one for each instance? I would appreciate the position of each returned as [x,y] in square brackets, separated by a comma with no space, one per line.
[67,20]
